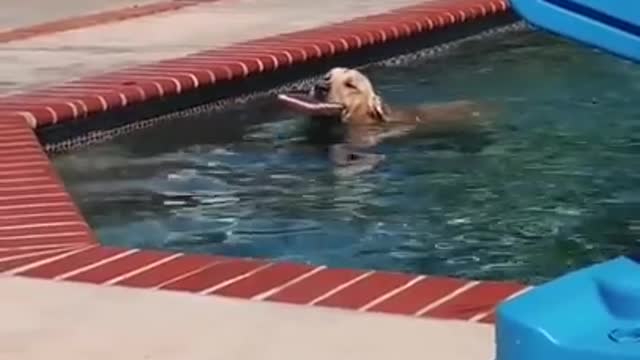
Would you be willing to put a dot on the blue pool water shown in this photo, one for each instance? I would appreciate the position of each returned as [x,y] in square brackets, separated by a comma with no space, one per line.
[553,187]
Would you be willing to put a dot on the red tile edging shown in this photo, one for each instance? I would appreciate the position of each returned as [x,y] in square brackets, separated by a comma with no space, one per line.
[42,233]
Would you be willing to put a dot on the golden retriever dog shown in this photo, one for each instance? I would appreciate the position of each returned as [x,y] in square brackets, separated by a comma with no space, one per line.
[367,119]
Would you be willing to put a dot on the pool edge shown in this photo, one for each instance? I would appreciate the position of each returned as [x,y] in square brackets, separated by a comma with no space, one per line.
[43,235]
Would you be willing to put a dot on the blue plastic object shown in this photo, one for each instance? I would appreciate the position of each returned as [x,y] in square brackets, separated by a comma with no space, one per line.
[590,314]
[612,25]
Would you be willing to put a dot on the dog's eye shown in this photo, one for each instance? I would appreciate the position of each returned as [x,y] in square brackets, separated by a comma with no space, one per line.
[350,85]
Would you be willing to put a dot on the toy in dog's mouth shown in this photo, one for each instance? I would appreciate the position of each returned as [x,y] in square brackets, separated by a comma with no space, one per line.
[312,103]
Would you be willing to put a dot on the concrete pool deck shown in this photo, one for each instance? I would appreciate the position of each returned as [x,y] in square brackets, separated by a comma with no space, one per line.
[79,321]
[68,73]
[171,34]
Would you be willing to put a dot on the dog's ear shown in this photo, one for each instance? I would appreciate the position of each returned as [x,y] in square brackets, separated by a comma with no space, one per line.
[377,108]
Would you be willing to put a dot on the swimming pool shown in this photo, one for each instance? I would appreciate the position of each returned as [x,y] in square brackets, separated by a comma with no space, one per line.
[552,188]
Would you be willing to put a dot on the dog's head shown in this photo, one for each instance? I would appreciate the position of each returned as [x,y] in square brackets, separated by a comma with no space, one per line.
[354,91]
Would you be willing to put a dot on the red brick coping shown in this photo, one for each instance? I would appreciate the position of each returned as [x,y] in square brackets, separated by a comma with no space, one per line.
[43,235]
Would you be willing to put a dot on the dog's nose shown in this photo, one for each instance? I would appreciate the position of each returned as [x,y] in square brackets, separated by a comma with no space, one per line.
[322,86]
[325,82]
[320,89]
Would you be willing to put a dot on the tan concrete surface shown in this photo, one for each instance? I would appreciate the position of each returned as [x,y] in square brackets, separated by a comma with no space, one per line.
[62,56]
[54,320]
[20,13]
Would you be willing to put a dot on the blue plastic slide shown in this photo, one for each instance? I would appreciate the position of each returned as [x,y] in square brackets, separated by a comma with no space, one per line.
[593,313]
[612,25]
[590,314]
